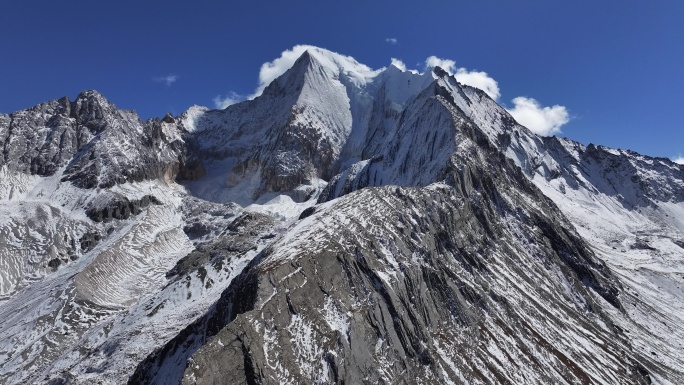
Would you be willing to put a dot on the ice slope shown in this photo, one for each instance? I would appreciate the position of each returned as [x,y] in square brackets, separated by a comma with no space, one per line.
[629,208]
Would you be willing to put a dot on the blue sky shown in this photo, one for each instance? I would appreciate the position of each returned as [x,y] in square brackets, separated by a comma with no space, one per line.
[616,67]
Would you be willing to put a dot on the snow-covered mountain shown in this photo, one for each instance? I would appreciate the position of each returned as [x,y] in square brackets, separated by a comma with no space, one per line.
[348,225]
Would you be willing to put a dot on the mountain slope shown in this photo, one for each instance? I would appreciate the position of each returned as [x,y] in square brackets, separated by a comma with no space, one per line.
[348,225]
[389,284]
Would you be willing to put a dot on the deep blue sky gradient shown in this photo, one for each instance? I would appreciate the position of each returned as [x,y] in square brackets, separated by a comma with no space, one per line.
[617,66]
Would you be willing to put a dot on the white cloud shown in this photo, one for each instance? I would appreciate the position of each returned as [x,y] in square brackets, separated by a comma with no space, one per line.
[168,79]
[543,121]
[679,160]
[392,40]
[223,102]
[477,79]
[271,70]
[399,64]
[447,65]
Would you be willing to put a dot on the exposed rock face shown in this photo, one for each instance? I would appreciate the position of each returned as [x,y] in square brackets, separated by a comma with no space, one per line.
[168,118]
[346,226]
[89,240]
[95,143]
[389,305]
[238,238]
[191,169]
[29,148]
[115,206]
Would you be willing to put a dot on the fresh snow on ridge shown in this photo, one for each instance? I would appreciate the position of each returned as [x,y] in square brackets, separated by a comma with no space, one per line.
[357,73]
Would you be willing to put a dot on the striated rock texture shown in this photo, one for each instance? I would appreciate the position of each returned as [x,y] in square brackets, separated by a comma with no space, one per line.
[347,226]
[422,301]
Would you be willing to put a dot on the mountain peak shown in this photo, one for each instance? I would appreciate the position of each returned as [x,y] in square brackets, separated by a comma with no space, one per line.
[332,64]
[91,95]
[440,72]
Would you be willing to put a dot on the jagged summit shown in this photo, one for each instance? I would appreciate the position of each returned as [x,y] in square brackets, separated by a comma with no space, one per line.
[344,67]
[91,94]
[346,225]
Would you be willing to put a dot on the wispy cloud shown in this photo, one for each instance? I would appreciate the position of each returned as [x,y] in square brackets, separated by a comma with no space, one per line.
[168,79]
[271,70]
[529,112]
[392,40]
[221,102]
[477,79]
[678,159]
[543,121]
[447,65]
[399,64]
